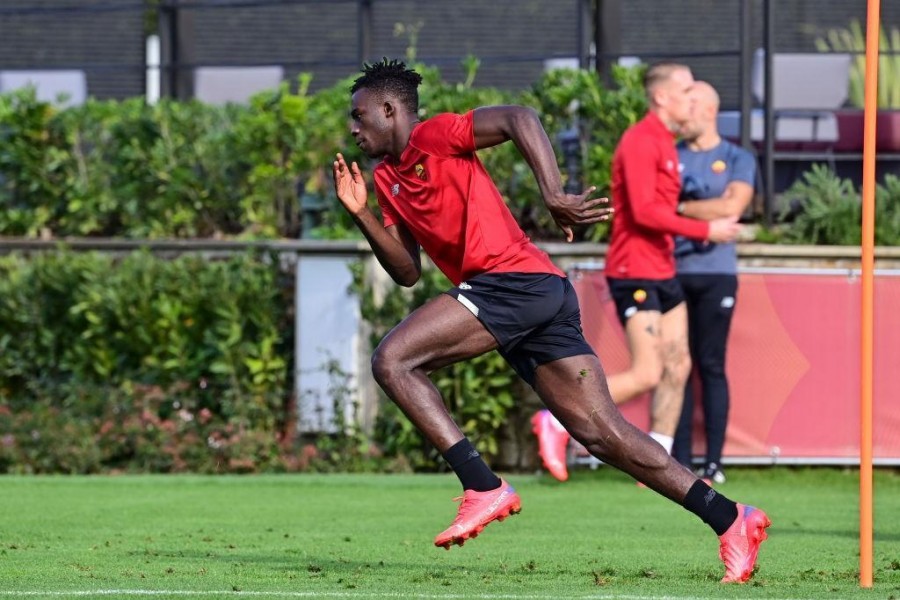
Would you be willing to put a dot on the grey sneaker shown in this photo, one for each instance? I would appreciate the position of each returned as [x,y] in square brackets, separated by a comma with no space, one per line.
[713,473]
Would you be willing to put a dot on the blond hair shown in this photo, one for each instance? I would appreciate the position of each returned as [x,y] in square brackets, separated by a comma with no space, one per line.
[659,73]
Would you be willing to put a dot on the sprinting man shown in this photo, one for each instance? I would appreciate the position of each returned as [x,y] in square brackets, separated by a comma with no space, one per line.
[434,192]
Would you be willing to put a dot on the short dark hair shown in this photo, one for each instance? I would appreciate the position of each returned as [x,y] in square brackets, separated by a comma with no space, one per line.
[391,77]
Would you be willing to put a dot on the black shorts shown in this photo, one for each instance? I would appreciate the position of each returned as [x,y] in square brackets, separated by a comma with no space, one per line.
[632,295]
[534,317]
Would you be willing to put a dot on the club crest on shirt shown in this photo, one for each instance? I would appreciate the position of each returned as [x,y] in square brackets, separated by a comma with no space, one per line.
[420,172]
[395,189]
[718,166]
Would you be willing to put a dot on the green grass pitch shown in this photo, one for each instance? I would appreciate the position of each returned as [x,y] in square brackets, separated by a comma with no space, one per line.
[370,536]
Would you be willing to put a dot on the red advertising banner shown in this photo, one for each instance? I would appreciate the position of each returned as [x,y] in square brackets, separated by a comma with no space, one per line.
[793,365]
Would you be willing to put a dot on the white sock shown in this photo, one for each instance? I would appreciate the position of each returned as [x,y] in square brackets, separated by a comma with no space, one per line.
[666,441]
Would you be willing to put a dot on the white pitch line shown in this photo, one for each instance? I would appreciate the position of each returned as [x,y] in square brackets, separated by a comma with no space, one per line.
[325,594]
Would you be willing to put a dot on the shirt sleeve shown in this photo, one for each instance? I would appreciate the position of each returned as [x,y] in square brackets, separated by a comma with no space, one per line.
[639,173]
[744,167]
[447,134]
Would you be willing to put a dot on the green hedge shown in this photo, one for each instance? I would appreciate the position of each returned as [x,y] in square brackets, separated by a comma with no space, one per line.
[143,364]
[822,208]
[185,169]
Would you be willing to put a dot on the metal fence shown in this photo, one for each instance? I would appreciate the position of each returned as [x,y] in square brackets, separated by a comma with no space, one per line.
[331,39]
[108,39]
[103,39]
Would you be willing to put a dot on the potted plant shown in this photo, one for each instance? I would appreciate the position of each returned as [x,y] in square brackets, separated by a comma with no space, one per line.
[852,39]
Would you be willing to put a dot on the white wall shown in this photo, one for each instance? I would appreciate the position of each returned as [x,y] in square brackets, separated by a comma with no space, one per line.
[327,327]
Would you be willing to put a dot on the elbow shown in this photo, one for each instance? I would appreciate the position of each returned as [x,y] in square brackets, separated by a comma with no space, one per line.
[526,112]
[520,116]
[729,213]
[643,220]
[407,278]
[735,209]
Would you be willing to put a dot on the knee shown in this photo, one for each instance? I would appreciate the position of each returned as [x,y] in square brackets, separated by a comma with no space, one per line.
[386,364]
[606,440]
[678,367]
[711,368]
[648,378]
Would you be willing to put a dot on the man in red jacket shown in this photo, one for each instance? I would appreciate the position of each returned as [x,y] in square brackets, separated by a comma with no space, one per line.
[435,193]
[640,264]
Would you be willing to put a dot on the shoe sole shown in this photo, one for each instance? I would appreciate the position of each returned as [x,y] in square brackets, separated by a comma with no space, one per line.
[758,536]
[459,540]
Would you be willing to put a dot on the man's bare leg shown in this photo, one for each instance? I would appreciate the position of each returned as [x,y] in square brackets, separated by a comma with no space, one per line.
[437,334]
[668,397]
[575,390]
[642,330]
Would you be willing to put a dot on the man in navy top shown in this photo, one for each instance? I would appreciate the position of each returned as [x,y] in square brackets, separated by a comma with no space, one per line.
[717,181]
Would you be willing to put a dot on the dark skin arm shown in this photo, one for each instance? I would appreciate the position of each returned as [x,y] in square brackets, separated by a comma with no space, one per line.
[394,247]
[497,124]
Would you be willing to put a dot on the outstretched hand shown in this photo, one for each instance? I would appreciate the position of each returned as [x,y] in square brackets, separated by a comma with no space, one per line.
[349,185]
[569,210]
[725,229]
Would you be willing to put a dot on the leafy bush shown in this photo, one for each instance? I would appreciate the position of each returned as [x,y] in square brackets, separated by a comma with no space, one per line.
[185,169]
[826,209]
[143,364]
[577,98]
[34,164]
[887,211]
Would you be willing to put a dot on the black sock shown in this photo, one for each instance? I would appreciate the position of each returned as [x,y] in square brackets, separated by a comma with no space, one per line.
[473,472]
[716,510]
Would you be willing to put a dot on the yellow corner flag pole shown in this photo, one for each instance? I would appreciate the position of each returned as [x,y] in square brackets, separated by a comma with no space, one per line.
[873,30]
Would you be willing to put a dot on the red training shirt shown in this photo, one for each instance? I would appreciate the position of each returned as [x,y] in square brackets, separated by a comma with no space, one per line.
[441,192]
[645,186]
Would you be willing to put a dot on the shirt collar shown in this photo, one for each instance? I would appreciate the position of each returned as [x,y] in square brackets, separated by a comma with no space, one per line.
[658,126]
